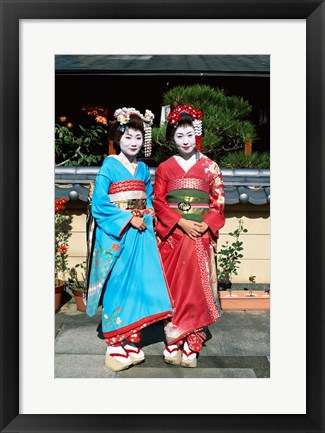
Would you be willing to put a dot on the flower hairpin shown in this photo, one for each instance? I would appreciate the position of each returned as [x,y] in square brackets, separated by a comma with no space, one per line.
[122,116]
[174,116]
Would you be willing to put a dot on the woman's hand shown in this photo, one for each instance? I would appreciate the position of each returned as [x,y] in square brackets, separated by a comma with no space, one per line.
[190,228]
[150,211]
[202,227]
[193,229]
[138,223]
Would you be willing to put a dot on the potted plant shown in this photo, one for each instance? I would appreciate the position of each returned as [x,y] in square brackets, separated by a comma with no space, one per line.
[61,250]
[228,264]
[248,299]
[229,256]
[77,285]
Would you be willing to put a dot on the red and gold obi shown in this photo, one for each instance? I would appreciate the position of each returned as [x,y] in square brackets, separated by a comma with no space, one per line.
[189,197]
[128,194]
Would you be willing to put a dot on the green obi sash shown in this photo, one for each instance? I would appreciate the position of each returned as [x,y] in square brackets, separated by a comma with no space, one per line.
[191,204]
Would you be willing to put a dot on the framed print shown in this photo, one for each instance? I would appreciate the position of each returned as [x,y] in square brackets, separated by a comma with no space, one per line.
[292,33]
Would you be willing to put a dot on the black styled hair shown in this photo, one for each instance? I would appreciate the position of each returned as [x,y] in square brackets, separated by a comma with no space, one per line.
[115,133]
[184,120]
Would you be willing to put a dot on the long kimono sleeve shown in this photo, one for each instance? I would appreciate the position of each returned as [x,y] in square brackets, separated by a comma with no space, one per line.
[215,217]
[167,217]
[149,189]
[109,218]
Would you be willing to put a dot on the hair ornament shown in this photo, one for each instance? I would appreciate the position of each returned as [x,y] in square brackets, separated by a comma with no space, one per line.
[196,115]
[122,116]
[173,116]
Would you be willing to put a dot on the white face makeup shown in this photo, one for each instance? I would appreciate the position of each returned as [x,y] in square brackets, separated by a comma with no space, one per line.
[131,143]
[185,141]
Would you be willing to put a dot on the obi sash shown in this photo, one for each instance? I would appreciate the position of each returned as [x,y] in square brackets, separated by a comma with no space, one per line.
[128,194]
[189,197]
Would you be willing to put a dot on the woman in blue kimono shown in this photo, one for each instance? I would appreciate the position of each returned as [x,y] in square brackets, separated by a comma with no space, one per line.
[125,272]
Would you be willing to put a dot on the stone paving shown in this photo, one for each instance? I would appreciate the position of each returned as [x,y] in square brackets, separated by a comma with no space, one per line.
[238,346]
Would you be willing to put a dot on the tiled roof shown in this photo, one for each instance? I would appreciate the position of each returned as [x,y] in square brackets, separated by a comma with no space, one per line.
[257,65]
[241,185]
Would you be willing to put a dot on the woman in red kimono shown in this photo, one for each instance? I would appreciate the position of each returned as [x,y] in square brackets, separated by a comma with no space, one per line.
[189,203]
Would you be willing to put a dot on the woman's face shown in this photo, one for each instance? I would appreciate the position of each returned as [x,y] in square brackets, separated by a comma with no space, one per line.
[185,141]
[131,142]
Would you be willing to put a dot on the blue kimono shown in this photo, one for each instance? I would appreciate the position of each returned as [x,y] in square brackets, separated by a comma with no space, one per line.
[125,274]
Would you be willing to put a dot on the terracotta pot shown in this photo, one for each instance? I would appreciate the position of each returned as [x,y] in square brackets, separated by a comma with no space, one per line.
[78,296]
[58,295]
[244,300]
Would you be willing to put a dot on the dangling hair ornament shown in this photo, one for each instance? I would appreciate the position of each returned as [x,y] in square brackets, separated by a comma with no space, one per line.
[196,115]
[148,120]
[122,116]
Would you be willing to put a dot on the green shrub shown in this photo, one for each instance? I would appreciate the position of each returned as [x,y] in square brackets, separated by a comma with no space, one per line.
[86,148]
[240,160]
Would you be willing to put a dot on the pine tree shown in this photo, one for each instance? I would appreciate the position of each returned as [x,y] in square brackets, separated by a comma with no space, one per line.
[225,123]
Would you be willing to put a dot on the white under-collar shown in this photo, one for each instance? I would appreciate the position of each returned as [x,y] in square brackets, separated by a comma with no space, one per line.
[131,166]
[186,164]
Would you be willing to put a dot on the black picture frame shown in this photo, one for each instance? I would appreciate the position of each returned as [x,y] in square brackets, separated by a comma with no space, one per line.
[11,12]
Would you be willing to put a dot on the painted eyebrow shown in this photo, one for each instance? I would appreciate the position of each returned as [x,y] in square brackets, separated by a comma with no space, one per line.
[136,135]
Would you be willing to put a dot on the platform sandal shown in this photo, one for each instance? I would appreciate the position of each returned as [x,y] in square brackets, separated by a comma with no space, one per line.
[172,354]
[135,353]
[117,359]
[189,358]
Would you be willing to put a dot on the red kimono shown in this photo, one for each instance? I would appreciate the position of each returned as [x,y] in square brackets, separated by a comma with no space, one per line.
[196,195]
